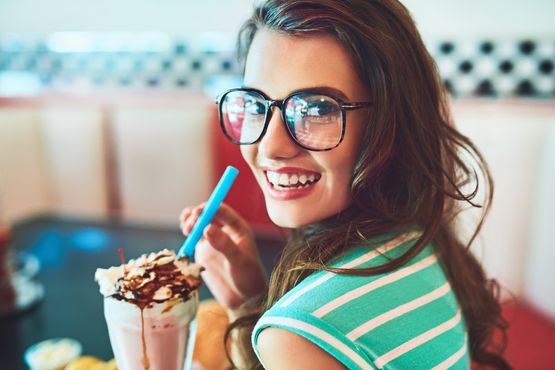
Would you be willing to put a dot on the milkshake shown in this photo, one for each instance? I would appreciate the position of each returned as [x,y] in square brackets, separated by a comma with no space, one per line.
[150,305]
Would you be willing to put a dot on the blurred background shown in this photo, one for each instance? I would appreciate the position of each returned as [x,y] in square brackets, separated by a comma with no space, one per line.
[107,111]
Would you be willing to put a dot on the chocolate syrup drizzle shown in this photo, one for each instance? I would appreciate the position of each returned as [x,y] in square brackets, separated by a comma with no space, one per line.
[157,276]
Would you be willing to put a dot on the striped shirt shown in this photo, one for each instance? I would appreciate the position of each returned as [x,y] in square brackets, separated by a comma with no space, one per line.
[408,318]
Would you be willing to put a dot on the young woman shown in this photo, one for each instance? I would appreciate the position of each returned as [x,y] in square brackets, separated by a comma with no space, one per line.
[343,120]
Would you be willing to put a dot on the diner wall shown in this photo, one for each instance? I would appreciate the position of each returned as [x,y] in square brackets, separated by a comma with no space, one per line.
[23,189]
[142,159]
[539,272]
[513,137]
[72,139]
[453,18]
[163,158]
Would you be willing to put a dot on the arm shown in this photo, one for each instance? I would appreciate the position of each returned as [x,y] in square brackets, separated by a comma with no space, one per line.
[281,349]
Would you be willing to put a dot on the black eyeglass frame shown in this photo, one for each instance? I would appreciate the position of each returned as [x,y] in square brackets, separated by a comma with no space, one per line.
[269,103]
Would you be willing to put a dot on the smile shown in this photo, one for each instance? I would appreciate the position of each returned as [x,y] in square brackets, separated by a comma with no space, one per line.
[292,180]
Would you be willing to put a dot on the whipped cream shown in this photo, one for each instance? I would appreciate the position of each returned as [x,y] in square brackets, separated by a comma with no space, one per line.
[155,277]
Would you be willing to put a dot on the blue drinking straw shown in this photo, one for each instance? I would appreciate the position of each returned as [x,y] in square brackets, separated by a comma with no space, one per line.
[212,205]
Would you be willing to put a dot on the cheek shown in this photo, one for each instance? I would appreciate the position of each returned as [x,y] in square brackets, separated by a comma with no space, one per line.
[341,182]
[248,152]
[353,146]
[341,168]
[342,164]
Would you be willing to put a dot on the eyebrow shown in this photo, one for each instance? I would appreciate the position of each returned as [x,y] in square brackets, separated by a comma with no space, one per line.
[327,90]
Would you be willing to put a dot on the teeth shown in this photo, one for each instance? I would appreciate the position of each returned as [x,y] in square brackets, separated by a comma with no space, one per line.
[286,181]
[273,177]
[283,179]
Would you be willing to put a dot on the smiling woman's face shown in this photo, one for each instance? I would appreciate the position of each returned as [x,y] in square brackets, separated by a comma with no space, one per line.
[278,64]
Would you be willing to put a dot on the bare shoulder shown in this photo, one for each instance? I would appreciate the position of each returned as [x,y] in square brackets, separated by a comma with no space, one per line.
[281,349]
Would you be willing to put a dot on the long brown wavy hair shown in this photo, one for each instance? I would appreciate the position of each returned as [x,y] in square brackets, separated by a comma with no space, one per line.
[414,167]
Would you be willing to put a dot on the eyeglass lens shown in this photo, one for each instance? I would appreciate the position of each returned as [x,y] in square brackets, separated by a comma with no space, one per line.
[315,121]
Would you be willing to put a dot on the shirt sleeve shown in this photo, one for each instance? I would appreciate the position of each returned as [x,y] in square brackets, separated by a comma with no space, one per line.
[319,332]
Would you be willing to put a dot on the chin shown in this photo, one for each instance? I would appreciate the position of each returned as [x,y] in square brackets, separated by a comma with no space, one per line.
[284,221]
[289,219]
[292,218]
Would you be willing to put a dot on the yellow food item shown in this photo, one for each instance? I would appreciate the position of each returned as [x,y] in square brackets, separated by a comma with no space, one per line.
[110,365]
[91,363]
[83,363]
[209,350]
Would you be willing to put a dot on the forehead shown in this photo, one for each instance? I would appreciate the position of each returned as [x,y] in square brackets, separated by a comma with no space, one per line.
[278,64]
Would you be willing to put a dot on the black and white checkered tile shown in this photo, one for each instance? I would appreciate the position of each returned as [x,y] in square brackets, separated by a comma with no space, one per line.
[505,68]
[509,68]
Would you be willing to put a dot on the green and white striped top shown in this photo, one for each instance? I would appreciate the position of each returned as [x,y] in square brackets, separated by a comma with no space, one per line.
[408,318]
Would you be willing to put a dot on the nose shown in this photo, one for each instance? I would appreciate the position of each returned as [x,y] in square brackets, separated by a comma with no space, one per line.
[276,142]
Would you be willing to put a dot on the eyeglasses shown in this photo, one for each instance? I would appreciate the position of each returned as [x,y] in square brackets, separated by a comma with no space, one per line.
[315,121]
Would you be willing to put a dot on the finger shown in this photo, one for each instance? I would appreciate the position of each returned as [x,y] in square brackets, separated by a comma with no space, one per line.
[186,227]
[182,228]
[214,275]
[230,219]
[184,214]
[187,219]
[187,211]
[217,277]
[221,241]
[194,215]
[189,224]
[192,219]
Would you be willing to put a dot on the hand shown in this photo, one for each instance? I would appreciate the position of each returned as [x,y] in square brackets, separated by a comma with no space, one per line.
[234,271]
